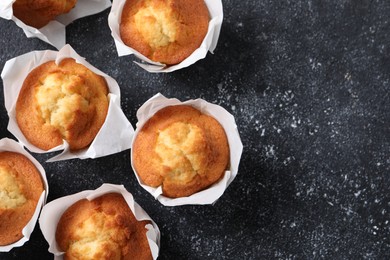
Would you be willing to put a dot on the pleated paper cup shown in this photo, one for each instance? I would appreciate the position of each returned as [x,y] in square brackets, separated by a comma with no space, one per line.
[115,134]
[9,145]
[54,32]
[208,44]
[215,191]
[53,211]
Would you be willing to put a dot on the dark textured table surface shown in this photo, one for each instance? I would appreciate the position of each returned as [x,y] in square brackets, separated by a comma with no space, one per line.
[308,83]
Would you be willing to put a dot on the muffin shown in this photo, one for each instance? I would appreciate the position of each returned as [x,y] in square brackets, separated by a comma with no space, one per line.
[20,189]
[38,13]
[66,101]
[182,150]
[166,31]
[103,228]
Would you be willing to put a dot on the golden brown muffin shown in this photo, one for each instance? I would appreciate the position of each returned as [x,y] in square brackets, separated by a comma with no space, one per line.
[67,101]
[181,149]
[20,188]
[166,31]
[38,13]
[103,228]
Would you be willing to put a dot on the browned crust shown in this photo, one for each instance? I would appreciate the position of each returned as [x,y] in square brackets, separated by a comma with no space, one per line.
[134,246]
[83,130]
[193,18]
[38,13]
[12,221]
[147,162]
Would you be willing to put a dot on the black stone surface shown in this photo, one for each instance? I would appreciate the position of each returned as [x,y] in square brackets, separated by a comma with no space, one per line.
[308,83]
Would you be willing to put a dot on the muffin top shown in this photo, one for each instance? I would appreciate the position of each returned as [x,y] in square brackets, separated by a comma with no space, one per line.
[181,149]
[38,13]
[65,101]
[166,31]
[20,188]
[103,228]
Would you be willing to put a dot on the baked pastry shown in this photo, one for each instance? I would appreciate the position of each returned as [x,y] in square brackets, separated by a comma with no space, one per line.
[38,13]
[20,188]
[103,228]
[65,101]
[181,149]
[166,31]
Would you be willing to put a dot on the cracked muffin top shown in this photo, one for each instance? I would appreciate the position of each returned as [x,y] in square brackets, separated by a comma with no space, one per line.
[103,228]
[182,150]
[165,31]
[66,101]
[20,188]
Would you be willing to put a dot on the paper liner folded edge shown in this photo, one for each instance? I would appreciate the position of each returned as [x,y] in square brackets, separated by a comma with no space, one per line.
[37,58]
[159,101]
[52,212]
[54,32]
[209,43]
[13,146]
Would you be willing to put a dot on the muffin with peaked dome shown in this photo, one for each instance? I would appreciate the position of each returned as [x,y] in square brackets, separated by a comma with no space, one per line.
[103,228]
[166,31]
[20,189]
[65,101]
[38,13]
[182,150]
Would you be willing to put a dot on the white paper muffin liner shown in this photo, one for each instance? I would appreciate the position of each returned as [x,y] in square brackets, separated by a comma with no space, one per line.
[114,136]
[54,32]
[211,194]
[12,146]
[53,211]
[209,42]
